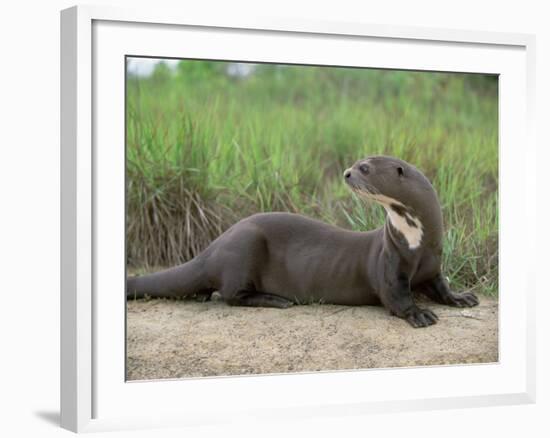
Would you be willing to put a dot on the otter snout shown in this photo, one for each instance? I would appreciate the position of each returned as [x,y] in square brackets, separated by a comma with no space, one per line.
[351,178]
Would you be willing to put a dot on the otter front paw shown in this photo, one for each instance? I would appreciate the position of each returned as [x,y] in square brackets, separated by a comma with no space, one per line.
[418,317]
[465,299]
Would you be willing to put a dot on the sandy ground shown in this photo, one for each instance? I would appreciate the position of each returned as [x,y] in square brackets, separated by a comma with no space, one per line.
[175,339]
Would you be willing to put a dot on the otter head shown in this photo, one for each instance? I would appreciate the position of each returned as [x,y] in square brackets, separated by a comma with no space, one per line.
[405,193]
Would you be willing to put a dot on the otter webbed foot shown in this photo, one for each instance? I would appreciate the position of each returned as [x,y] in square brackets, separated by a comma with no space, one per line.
[398,299]
[464,299]
[259,299]
[438,290]
[418,317]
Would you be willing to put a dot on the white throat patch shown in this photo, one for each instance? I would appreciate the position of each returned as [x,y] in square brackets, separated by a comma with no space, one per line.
[412,233]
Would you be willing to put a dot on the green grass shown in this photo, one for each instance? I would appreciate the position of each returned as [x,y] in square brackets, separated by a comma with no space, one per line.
[205,149]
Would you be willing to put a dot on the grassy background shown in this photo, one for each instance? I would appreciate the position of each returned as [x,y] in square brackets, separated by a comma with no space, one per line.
[205,149]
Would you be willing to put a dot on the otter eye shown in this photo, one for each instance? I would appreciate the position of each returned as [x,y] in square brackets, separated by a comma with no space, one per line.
[400,171]
[364,169]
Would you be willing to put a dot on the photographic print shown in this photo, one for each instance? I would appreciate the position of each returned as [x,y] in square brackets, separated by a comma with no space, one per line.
[296,218]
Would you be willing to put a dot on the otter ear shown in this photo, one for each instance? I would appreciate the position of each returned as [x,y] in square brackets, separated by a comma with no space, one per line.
[400,171]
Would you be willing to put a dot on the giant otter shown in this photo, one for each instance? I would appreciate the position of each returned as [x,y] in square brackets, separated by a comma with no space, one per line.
[278,259]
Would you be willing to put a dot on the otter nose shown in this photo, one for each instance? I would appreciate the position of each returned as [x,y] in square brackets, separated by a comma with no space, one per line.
[347,173]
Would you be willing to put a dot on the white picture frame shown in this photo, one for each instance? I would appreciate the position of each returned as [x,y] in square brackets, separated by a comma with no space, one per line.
[94,394]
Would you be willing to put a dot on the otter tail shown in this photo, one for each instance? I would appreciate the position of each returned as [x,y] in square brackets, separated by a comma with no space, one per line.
[180,281]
